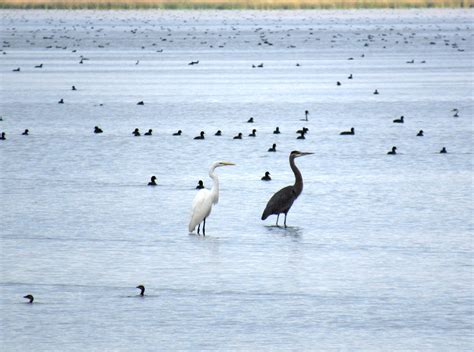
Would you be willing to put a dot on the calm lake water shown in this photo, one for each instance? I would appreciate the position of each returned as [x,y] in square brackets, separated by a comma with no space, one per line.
[379,251]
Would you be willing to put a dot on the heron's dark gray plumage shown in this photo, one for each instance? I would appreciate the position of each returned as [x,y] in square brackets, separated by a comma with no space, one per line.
[281,201]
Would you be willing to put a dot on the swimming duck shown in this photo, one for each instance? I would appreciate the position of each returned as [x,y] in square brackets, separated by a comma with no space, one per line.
[152,181]
[266,177]
[149,133]
[142,290]
[420,133]
[97,129]
[393,151]
[30,298]
[346,133]
[273,148]
[443,151]
[239,136]
[201,135]
[277,130]
[200,185]
[218,133]
[25,133]
[253,133]
[178,133]
[400,120]
[136,132]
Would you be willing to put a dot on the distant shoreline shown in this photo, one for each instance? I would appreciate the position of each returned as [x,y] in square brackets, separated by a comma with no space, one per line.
[232,4]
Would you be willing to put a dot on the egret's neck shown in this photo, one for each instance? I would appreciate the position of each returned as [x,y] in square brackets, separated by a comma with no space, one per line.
[215,186]
[298,178]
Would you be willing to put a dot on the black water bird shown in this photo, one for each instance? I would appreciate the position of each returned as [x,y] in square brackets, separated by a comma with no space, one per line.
[61,101]
[239,136]
[73,88]
[303,131]
[376,92]
[420,133]
[301,136]
[142,290]
[253,134]
[273,148]
[456,114]
[348,133]
[16,69]
[201,135]
[393,151]
[2,136]
[200,185]
[149,133]
[39,66]
[26,132]
[97,129]
[193,62]
[443,151]
[281,201]
[141,103]
[152,181]
[136,132]
[30,298]
[250,120]
[218,133]
[277,130]
[306,113]
[266,177]
[400,120]
[260,66]
[178,133]
[350,76]
[338,83]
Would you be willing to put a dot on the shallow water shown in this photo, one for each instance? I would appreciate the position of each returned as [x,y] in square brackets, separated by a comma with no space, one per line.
[378,253]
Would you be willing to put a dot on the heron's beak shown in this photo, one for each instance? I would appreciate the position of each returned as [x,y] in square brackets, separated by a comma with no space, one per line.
[227,163]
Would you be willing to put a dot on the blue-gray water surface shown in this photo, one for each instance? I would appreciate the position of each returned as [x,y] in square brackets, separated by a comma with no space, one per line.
[378,252]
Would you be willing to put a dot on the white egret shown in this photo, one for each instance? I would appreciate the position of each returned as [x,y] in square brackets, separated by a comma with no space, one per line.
[204,199]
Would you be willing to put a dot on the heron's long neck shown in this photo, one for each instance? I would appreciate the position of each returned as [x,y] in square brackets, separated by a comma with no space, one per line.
[298,178]
[215,186]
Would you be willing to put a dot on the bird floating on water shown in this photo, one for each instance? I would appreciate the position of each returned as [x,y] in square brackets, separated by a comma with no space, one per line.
[26,132]
[61,101]
[420,133]
[97,129]
[250,120]
[204,199]
[136,132]
[2,136]
[443,151]
[141,103]
[253,134]
[142,290]
[393,151]
[281,201]
[239,136]
[73,88]
[266,177]
[149,133]
[348,133]
[218,133]
[178,133]
[152,181]
[273,148]
[200,185]
[376,92]
[201,135]
[277,130]
[30,298]
[400,120]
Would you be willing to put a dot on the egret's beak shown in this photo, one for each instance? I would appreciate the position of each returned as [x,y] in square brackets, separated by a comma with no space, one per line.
[227,163]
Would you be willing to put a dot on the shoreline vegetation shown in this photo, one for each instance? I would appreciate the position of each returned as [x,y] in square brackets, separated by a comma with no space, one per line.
[232,4]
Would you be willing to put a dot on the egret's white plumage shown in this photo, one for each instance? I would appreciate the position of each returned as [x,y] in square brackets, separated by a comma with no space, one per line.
[204,199]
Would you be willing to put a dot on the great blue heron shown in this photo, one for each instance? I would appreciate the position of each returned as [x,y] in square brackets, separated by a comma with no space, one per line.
[282,200]
[204,199]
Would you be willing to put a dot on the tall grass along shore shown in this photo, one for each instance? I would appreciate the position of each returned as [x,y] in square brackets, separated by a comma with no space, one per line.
[230,4]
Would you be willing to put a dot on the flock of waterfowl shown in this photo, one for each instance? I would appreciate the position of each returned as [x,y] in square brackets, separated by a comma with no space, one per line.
[212,39]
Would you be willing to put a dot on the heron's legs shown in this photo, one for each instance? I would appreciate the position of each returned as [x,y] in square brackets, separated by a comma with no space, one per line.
[278,216]
[199,227]
[285,220]
[204,228]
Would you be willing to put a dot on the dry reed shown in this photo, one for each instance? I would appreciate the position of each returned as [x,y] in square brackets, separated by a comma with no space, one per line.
[230,4]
